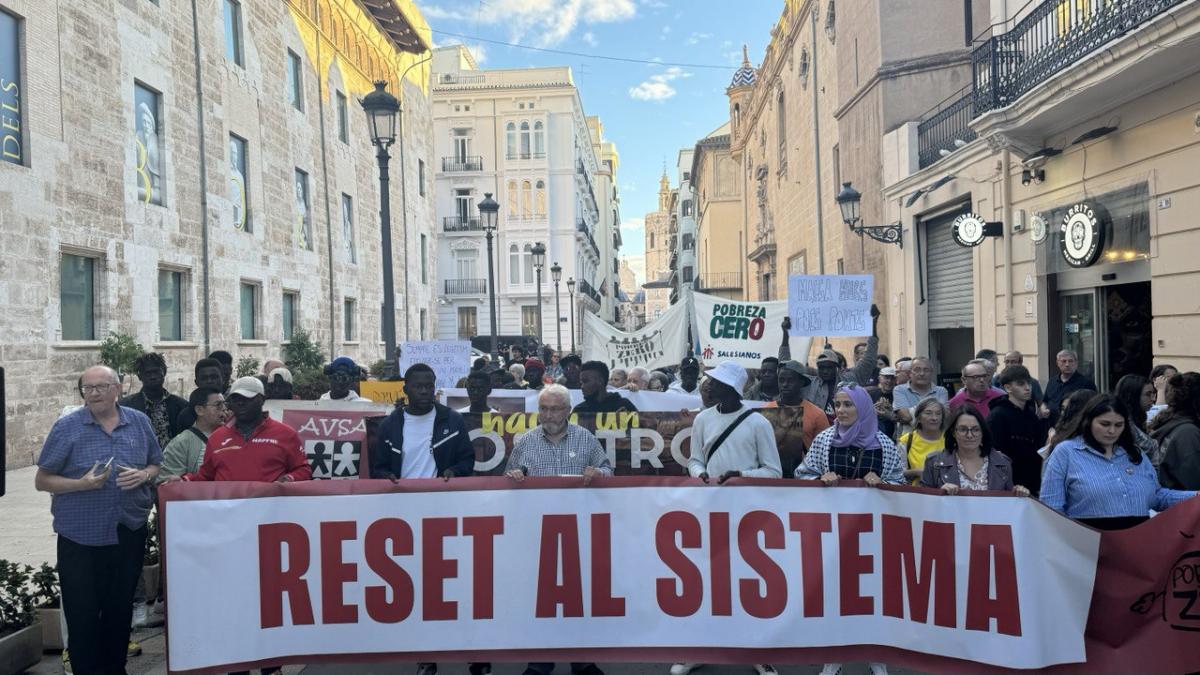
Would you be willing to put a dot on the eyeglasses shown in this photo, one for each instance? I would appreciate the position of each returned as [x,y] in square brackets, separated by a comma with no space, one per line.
[97,388]
[975,377]
[968,431]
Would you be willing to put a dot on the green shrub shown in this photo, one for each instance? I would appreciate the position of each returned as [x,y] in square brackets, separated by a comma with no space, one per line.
[119,351]
[45,581]
[303,353]
[247,366]
[16,597]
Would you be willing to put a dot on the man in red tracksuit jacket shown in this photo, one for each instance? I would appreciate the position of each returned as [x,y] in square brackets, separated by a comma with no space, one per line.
[252,446]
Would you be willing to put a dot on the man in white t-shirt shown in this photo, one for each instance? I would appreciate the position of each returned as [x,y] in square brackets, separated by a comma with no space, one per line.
[747,450]
[424,439]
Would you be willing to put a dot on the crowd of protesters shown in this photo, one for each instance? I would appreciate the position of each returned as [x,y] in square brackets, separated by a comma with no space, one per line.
[1109,460]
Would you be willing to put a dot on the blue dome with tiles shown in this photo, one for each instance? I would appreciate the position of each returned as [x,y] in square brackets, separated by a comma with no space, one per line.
[746,75]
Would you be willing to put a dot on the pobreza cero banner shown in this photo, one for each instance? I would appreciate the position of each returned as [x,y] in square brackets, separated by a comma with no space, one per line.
[662,569]
[743,332]
[831,305]
[659,344]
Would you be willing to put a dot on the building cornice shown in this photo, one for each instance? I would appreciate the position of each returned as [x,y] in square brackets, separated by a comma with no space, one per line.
[896,69]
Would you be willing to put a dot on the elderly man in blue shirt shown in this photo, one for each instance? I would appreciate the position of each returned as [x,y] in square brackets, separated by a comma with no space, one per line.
[99,462]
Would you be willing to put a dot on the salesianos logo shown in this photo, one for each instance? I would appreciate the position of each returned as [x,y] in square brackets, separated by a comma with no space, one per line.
[738,321]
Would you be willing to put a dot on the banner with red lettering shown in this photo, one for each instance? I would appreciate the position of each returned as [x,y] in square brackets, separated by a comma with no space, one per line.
[667,569]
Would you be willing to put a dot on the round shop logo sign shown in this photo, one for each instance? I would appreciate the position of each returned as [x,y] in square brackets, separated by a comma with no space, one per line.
[968,230]
[1038,228]
[1082,234]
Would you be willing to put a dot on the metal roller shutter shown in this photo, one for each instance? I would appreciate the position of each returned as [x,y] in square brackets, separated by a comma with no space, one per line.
[951,285]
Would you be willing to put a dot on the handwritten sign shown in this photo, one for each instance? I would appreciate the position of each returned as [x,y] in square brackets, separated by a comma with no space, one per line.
[830,305]
[383,392]
[450,359]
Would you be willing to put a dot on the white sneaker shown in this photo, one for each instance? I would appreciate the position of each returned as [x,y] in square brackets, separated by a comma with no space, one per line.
[831,669]
[765,669]
[139,615]
[684,668]
[878,668]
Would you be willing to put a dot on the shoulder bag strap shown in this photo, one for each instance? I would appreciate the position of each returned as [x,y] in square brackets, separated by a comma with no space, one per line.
[725,434]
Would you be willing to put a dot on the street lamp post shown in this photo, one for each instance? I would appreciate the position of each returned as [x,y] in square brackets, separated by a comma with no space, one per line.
[849,201]
[539,261]
[381,108]
[488,208]
[571,292]
[556,275]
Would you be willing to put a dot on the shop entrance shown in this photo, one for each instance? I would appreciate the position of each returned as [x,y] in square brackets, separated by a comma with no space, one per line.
[1110,327]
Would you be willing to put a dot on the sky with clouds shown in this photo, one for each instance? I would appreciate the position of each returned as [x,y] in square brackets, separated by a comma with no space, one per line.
[650,110]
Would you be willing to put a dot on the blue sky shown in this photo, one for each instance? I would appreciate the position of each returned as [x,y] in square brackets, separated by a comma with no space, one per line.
[651,110]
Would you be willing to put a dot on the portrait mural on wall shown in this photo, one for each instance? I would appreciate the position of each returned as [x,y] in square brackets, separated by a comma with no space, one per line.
[148,152]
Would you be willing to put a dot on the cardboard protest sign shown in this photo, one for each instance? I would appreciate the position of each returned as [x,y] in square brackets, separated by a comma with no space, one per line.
[450,359]
[830,305]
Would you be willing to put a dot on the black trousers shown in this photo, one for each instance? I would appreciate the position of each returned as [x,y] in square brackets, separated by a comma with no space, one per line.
[97,590]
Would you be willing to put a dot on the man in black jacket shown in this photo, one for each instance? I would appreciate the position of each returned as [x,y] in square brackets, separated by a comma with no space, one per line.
[424,439]
[593,380]
[1069,381]
[1017,431]
[161,406]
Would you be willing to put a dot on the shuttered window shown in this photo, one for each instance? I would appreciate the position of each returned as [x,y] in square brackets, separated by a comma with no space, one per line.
[950,289]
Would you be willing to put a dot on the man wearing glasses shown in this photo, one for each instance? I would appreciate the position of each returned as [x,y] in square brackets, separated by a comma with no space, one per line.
[920,386]
[977,390]
[344,374]
[98,462]
[185,452]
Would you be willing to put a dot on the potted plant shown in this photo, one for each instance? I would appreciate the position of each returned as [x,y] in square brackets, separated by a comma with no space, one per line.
[20,636]
[48,607]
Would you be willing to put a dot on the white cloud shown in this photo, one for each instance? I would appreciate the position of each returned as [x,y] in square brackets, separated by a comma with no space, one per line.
[590,39]
[695,38]
[437,12]
[633,225]
[658,87]
[548,22]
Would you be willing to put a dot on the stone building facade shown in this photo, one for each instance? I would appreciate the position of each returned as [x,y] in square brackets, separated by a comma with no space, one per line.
[202,185]
[658,253]
[1062,195]
[721,263]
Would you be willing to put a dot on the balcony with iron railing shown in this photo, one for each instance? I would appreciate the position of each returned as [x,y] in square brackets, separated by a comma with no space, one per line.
[525,155]
[582,228]
[465,286]
[457,164]
[458,224]
[586,289]
[1053,37]
[946,128]
[719,281]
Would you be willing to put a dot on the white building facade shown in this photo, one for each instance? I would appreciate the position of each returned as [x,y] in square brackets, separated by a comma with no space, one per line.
[522,136]
[683,228]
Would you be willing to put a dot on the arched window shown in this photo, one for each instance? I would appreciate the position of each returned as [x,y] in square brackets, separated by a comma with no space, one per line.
[539,139]
[524,140]
[526,199]
[512,199]
[781,129]
[514,264]
[528,255]
[651,239]
[539,199]
[511,133]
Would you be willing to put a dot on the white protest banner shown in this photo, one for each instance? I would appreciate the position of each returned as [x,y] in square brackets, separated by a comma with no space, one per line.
[830,305]
[659,344]
[484,569]
[743,332]
[450,359]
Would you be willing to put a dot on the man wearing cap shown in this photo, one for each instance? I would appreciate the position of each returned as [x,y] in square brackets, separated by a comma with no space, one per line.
[572,365]
[343,374]
[822,389]
[689,377]
[251,446]
[535,373]
[731,440]
[597,398]
[887,379]
[279,385]
[798,420]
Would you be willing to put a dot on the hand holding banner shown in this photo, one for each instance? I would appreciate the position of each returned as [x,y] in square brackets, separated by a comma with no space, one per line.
[830,305]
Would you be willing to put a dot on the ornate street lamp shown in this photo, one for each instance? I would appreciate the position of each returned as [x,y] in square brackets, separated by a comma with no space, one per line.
[556,275]
[488,208]
[571,292]
[381,108]
[539,261]
[849,201]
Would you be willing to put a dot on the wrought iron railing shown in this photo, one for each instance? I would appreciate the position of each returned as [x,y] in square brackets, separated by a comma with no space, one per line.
[719,281]
[1054,36]
[466,286]
[946,128]
[585,288]
[450,164]
[460,224]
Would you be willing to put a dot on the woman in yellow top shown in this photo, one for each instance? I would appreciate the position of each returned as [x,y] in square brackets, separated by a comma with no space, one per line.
[927,438]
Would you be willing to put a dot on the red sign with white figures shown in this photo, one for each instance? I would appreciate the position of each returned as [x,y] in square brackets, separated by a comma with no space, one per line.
[667,569]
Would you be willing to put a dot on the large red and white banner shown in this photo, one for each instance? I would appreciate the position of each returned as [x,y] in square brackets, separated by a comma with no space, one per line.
[667,569]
